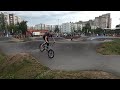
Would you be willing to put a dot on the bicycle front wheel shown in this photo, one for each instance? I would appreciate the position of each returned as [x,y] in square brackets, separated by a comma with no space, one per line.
[50,53]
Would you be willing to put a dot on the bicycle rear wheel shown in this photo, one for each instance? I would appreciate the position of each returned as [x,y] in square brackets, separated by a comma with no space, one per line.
[50,53]
[41,48]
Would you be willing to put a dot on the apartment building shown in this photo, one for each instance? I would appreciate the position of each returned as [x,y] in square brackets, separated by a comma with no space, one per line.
[40,27]
[71,27]
[103,21]
[66,27]
[11,18]
[46,27]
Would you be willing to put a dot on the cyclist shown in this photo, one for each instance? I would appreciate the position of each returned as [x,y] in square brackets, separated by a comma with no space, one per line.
[46,37]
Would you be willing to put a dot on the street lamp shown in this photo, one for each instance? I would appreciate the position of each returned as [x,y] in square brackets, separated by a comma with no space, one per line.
[58,26]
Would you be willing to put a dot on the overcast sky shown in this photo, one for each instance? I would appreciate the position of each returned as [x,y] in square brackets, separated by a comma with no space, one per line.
[51,17]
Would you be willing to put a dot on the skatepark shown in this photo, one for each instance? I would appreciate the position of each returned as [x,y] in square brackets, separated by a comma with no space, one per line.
[69,55]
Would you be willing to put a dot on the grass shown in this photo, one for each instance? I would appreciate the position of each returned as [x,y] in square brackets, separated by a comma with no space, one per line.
[24,66]
[109,48]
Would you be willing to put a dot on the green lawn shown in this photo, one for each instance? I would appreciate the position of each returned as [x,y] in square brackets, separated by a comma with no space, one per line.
[109,48]
[24,66]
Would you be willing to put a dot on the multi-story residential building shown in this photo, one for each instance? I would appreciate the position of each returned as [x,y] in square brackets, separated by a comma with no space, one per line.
[45,27]
[60,27]
[19,19]
[15,19]
[40,27]
[91,22]
[77,26]
[6,18]
[30,27]
[96,22]
[71,27]
[11,18]
[103,21]
[53,27]
[68,27]
[48,27]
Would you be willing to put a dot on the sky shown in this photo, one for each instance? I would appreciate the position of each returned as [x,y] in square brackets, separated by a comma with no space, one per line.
[59,17]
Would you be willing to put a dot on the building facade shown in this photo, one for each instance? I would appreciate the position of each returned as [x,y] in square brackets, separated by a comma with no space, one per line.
[66,27]
[11,18]
[71,27]
[103,21]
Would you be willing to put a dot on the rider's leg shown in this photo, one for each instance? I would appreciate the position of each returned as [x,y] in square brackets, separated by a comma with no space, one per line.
[43,44]
[47,45]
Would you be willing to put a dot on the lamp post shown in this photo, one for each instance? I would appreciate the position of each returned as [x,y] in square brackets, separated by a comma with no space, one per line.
[58,23]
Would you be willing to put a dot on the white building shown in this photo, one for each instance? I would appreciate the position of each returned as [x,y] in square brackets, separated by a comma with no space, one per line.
[53,27]
[11,18]
[67,27]
[77,26]
[6,17]
[40,26]
[60,27]
[19,19]
[43,27]
[48,27]
[15,19]
[71,27]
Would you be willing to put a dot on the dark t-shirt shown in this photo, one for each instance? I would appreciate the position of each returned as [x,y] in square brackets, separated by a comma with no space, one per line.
[47,34]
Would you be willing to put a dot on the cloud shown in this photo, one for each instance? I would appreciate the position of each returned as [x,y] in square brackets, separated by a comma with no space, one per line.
[51,17]
[39,13]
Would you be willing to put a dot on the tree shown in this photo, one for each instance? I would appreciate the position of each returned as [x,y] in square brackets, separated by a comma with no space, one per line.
[86,29]
[23,27]
[13,29]
[99,31]
[56,29]
[2,22]
[117,26]
[92,31]
[79,30]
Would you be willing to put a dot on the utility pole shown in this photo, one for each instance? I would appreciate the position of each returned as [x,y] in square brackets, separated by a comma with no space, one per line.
[58,26]
[58,23]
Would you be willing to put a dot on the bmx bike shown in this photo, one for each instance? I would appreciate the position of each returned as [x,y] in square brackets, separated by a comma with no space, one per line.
[48,49]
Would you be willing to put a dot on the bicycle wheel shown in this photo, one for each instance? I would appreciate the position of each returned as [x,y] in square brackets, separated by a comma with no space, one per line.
[41,48]
[50,53]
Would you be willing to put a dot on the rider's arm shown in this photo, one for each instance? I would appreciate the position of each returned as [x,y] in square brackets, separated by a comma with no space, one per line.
[46,39]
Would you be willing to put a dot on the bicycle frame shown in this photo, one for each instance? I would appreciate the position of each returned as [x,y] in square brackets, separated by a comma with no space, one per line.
[47,47]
